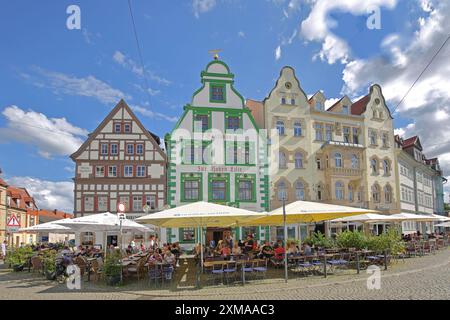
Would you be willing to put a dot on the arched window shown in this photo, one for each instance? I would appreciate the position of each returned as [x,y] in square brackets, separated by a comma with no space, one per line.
[280,128]
[283,100]
[338,160]
[282,159]
[297,129]
[355,162]
[282,191]
[374,166]
[387,194]
[298,160]
[319,192]
[339,190]
[299,191]
[350,193]
[375,193]
[386,167]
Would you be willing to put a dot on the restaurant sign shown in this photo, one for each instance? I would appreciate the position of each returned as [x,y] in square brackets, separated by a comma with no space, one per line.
[220,169]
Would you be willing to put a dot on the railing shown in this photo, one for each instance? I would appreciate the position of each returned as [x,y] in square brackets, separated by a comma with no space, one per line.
[345,171]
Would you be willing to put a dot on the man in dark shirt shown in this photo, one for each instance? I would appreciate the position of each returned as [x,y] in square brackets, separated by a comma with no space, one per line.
[249,244]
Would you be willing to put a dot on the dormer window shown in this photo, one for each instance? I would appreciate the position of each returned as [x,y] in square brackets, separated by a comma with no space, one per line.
[283,100]
[217,93]
[318,106]
[345,109]
[293,102]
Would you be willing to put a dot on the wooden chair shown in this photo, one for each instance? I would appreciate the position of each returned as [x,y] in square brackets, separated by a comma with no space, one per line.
[138,269]
[96,270]
[81,263]
[36,263]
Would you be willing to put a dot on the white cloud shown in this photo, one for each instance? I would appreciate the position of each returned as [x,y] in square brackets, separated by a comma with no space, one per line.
[330,102]
[202,6]
[152,114]
[241,34]
[51,136]
[128,63]
[48,195]
[317,26]
[89,86]
[278,53]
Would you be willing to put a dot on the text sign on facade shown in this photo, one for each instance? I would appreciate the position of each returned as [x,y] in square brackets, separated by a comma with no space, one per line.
[220,169]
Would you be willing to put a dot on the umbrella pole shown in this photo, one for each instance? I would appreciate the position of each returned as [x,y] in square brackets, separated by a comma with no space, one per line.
[285,242]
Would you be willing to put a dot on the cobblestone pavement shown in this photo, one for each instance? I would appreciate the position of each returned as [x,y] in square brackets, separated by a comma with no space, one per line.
[416,278]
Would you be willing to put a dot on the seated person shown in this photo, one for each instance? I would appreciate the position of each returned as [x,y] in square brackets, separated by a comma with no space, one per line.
[225,251]
[169,258]
[279,251]
[155,257]
[267,250]
[307,249]
[236,249]
[293,250]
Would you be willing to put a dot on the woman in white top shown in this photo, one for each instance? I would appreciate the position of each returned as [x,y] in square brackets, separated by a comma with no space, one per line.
[236,249]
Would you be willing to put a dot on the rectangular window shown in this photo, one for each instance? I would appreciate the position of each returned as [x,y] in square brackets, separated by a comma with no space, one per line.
[191,190]
[125,200]
[104,149]
[150,200]
[89,203]
[346,134]
[355,135]
[318,128]
[137,203]
[140,171]
[218,188]
[102,204]
[128,171]
[127,127]
[114,149]
[245,190]
[112,171]
[99,171]
[130,149]
[187,234]
[373,137]
[233,123]
[201,122]
[140,149]
[328,132]
[217,93]
[117,127]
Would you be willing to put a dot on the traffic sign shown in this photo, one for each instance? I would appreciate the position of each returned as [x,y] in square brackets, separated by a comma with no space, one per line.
[13,224]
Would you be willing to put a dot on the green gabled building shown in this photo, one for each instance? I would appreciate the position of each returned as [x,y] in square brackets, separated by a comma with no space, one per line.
[216,153]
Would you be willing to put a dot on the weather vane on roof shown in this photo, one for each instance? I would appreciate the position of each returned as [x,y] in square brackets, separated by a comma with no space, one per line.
[215,53]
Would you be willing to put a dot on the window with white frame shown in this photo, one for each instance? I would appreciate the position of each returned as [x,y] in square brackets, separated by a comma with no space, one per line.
[280,128]
[128,171]
[355,161]
[328,132]
[102,203]
[130,149]
[137,203]
[104,149]
[282,191]
[114,149]
[112,171]
[88,203]
[140,149]
[99,171]
[125,200]
[150,200]
[245,190]
[140,171]
[318,129]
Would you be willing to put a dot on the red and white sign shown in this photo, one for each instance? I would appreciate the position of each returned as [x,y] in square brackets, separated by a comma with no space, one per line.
[13,224]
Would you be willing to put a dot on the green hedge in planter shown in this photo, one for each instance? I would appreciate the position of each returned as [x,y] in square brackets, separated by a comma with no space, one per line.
[17,258]
[318,239]
[351,239]
[112,268]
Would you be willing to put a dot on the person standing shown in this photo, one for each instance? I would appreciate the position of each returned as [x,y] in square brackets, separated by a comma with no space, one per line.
[4,250]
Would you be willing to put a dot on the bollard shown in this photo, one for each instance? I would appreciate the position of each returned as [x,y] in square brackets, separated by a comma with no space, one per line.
[385,260]
[357,263]
[325,265]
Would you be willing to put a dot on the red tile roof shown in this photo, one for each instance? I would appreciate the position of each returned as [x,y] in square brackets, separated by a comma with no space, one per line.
[409,142]
[53,214]
[359,106]
[22,195]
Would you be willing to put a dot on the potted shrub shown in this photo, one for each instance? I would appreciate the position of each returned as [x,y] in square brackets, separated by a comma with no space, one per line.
[351,239]
[112,268]
[18,258]
[49,263]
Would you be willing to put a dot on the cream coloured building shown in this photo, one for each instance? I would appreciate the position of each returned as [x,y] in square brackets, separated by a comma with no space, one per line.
[341,155]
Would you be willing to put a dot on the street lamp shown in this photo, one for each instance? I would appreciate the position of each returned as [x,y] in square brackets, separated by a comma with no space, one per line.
[285,239]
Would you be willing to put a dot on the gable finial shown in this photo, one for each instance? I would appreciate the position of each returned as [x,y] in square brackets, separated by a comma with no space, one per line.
[215,53]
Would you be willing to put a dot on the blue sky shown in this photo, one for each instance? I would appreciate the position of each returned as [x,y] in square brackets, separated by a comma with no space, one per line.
[58,84]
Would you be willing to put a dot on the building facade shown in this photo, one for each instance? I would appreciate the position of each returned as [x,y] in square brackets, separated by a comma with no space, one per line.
[420,182]
[341,155]
[215,154]
[120,162]
[16,201]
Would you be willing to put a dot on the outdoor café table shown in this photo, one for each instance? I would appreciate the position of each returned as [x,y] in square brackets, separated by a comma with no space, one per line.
[324,257]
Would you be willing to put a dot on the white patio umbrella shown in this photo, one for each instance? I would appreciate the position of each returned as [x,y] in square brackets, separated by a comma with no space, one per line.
[366,218]
[200,214]
[444,224]
[441,218]
[103,222]
[51,227]
[414,217]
